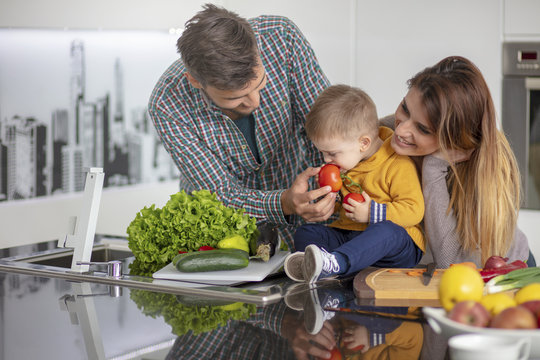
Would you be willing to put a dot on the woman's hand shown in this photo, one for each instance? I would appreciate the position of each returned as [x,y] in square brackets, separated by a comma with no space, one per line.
[454,156]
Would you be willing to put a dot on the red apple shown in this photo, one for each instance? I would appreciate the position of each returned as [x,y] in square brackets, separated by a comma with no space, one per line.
[470,312]
[516,317]
[494,262]
[534,307]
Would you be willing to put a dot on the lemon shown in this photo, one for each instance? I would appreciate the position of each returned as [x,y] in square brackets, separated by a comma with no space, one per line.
[528,293]
[458,283]
[495,303]
[234,242]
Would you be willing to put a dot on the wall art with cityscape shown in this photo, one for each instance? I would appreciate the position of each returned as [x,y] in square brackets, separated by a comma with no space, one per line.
[70,100]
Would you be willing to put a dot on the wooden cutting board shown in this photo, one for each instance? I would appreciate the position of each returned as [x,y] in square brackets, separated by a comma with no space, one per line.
[397,286]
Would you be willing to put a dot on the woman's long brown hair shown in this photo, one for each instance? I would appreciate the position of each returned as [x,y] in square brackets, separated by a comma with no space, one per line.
[485,189]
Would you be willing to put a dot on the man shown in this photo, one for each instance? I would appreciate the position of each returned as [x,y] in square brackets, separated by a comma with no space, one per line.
[231,113]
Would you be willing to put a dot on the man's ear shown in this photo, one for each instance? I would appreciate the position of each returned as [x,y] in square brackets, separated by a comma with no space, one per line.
[365,142]
[193,81]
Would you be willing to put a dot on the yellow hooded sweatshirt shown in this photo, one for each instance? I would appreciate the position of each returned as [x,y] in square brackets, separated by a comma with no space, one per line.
[392,183]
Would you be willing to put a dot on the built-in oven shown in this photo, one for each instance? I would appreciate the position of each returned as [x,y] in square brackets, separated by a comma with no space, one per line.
[521,113]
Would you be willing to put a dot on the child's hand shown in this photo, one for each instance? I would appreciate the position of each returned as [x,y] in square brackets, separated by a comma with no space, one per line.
[356,338]
[358,211]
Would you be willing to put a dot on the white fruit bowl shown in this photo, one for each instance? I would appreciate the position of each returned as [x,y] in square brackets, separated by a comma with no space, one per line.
[441,324]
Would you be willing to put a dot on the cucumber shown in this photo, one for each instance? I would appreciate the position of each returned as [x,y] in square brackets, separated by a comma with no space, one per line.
[198,301]
[212,260]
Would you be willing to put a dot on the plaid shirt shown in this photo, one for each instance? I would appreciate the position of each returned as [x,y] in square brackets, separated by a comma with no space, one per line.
[212,153]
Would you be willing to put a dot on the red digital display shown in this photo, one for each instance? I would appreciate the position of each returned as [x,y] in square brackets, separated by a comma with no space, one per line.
[528,55]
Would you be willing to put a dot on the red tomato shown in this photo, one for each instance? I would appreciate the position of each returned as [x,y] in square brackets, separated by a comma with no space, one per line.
[335,354]
[355,197]
[206,248]
[356,348]
[329,175]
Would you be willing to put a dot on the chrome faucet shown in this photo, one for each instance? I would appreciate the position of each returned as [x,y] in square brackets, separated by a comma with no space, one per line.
[82,228]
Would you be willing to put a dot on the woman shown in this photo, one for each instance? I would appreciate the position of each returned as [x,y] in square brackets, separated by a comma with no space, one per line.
[470,178]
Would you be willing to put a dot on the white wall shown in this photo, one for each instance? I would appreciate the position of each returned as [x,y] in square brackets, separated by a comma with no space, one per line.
[403,37]
[97,14]
[373,44]
[44,219]
[528,223]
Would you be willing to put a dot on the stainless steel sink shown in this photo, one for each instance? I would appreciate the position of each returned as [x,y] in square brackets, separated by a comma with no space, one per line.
[56,263]
[47,254]
[63,259]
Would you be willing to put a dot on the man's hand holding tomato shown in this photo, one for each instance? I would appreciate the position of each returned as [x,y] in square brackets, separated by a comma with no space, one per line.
[304,344]
[357,210]
[298,200]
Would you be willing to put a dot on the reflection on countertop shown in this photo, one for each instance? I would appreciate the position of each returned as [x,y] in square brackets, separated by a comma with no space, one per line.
[44,318]
[51,318]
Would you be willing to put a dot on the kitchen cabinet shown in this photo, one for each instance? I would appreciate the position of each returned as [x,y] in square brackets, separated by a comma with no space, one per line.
[521,19]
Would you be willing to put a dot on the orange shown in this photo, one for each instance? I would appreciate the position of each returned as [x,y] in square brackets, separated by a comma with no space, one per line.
[466,263]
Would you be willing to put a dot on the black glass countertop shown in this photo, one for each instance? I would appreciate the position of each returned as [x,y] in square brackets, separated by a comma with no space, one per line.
[49,318]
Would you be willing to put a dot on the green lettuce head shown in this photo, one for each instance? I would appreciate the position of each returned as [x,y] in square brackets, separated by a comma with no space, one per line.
[185,223]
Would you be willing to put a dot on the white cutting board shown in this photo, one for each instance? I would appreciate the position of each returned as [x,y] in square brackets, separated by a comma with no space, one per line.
[257,270]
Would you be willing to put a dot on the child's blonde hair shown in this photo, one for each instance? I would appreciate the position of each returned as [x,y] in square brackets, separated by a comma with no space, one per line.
[342,111]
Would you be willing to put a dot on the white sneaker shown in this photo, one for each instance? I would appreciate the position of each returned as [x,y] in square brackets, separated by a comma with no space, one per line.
[314,313]
[295,295]
[293,265]
[318,264]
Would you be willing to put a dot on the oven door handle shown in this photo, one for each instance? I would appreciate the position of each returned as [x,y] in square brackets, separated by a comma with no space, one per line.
[532,83]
